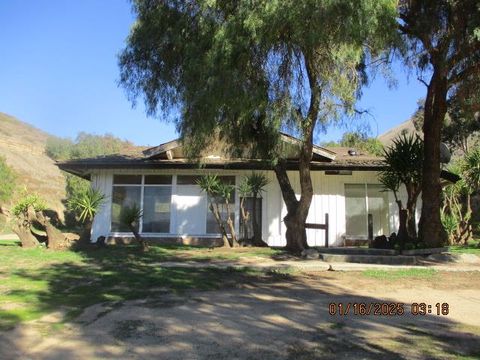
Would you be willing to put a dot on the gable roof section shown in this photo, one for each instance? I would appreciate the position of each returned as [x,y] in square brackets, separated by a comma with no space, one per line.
[173,149]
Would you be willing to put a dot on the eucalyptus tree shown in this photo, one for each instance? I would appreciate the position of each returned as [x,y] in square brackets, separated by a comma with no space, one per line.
[249,69]
[443,39]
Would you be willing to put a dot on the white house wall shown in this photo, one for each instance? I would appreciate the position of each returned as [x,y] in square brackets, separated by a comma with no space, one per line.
[329,197]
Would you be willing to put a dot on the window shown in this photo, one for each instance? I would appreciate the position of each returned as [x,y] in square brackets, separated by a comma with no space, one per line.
[212,225]
[126,193]
[151,193]
[362,201]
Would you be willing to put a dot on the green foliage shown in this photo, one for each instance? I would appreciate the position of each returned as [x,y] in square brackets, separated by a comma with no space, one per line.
[405,159]
[252,185]
[450,223]
[59,148]
[131,215]
[360,141]
[249,68]
[84,146]
[27,202]
[470,167]
[87,204]
[7,181]
[210,184]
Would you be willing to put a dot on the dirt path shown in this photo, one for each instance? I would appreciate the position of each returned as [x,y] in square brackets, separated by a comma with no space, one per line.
[287,319]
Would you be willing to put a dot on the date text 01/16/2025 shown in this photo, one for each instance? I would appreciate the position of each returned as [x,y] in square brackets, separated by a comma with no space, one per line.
[388,309]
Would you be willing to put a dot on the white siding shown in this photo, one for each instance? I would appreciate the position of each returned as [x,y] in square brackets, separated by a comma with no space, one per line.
[102,181]
[189,205]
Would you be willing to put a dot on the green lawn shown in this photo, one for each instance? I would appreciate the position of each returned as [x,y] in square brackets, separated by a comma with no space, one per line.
[34,282]
[400,274]
[471,248]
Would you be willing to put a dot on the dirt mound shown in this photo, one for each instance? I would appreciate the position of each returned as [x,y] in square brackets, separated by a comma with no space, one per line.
[23,146]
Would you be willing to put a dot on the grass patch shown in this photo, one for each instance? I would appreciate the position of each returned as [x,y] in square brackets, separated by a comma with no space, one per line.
[471,248]
[400,274]
[35,282]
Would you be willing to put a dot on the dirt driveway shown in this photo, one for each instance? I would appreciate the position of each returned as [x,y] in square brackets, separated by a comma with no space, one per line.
[284,319]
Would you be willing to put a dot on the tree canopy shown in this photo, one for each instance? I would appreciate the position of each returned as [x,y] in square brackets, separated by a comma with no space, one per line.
[443,43]
[245,70]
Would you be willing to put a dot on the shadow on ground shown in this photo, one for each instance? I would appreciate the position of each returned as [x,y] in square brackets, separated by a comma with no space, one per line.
[136,309]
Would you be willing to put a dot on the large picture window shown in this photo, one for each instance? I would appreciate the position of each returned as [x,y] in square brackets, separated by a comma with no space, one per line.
[361,202]
[151,193]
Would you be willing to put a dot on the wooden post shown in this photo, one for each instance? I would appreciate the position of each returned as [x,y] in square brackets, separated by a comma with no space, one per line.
[370,227]
[326,230]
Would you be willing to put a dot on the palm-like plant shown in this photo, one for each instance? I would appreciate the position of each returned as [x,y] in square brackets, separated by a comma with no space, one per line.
[253,185]
[217,192]
[130,216]
[404,160]
[87,204]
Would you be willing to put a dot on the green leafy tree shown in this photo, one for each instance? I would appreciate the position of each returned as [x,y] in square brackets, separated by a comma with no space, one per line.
[24,211]
[360,141]
[404,159]
[245,70]
[443,43]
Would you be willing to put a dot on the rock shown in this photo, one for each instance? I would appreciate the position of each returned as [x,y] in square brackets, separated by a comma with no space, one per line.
[310,254]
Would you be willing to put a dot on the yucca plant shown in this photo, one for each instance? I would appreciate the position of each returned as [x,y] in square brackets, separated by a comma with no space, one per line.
[86,205]
[130,216]
[404,161]
[256,183]
[216,192]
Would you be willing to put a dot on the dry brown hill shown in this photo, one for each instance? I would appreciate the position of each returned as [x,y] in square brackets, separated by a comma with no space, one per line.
[405,127]
[23,146]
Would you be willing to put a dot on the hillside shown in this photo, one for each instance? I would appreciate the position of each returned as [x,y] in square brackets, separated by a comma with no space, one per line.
[23,146]
[405,127]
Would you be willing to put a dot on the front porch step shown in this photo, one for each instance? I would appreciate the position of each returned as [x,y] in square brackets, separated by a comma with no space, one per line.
[369,259]
[356,251]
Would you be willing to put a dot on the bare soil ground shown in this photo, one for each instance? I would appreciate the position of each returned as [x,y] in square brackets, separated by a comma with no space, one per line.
[284,319]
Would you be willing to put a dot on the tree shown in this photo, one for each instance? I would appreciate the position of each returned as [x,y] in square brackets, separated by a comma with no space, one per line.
[250,69]
[359,140]
[253,185]
[84,146]
[443,40]
[87,204]
[130,216]
[219,197]
[404,160]
[24,211]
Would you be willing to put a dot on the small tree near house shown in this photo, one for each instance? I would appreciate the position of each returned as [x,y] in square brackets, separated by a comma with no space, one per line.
[252,186]
[130,217]
[87,204]
[404,160]
[219,198]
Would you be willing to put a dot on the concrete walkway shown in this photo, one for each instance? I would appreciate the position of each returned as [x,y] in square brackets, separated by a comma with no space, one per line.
[311,265]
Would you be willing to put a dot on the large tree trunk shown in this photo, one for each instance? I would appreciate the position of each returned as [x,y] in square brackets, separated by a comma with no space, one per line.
[257,232]
[297,210]
[55,239]
[411,211]
[431,228]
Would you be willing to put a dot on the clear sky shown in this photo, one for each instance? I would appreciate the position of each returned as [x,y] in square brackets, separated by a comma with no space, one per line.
[59,72]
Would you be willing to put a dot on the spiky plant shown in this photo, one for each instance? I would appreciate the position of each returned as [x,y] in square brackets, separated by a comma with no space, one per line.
[130,216]
[86,204]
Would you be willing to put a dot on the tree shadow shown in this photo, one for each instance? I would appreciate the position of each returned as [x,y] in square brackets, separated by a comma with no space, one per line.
[147,311]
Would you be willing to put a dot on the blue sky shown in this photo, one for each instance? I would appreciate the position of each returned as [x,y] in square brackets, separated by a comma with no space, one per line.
[59,72]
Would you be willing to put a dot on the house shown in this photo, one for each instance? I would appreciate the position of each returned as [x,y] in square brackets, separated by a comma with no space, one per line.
[163,182]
